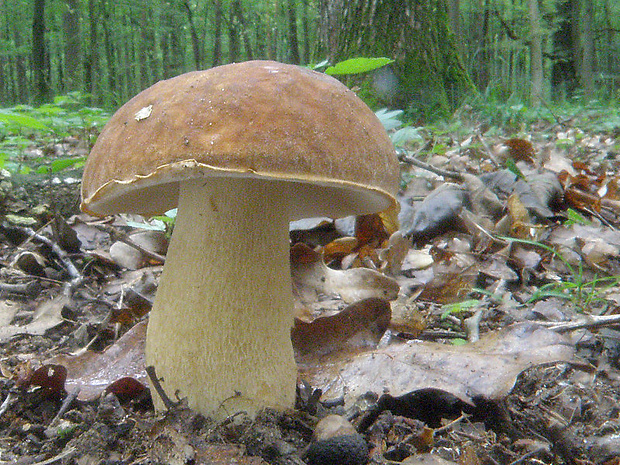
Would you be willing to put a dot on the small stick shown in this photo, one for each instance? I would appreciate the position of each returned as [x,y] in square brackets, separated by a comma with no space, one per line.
[592,321]
[76,276]
[150,370]
[412,160]
[65,404]
[121,236]
[7,402]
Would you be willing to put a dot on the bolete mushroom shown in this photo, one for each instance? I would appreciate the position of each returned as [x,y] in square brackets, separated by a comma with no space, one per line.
[241,149]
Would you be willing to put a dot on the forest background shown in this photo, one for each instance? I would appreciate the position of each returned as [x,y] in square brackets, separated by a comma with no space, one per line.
[446,52]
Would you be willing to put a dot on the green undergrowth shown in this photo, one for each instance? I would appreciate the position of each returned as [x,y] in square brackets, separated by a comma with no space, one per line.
[50,138]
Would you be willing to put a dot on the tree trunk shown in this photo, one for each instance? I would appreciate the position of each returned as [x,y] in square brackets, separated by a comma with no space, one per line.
[431,77]
[587,49]
[233,34]
[292,33]
[454,16]
[195,41]
[109,50]
[565,50]
[92,60]
[38,53]
[243,29]
[536,61]
[73,48]
[217,34]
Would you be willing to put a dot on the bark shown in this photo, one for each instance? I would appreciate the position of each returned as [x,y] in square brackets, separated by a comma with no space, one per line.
[73,47]
[38,53]
[536,62]
[431,77]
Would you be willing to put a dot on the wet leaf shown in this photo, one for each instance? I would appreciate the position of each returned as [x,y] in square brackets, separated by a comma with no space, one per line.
[438,213]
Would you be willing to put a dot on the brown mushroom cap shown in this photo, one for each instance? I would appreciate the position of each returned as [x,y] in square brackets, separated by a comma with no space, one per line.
[253,119]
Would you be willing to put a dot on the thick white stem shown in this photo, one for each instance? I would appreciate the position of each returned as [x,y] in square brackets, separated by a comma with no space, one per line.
[219,330]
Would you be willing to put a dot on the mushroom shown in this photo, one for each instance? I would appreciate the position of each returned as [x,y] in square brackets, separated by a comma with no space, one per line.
[241,149]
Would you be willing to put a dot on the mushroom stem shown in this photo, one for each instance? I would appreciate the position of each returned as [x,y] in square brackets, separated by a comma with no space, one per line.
[219,330]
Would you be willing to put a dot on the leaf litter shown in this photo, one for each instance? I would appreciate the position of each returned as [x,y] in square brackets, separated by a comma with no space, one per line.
[493,307]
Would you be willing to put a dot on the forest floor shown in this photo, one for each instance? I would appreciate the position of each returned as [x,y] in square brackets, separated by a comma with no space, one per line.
[512,279]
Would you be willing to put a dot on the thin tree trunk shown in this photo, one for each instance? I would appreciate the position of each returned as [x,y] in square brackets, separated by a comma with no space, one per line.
[195,42]
[92,60]
[22,90]
[217,34]
[73,49]
[454,15]
[536,62]
[292,32]
[243,29]
[38,53]
[233,34]
[306,32]
[109,50]
[587,48]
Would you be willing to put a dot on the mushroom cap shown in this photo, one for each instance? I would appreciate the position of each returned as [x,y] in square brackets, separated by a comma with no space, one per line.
[258,119]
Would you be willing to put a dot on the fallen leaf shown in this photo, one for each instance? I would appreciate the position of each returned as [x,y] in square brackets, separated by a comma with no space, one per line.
[486,368]
[358,326]
[46,316]
[312,279]
[93,372]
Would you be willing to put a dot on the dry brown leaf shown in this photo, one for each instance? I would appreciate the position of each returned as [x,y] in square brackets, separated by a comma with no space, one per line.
[358,326]
[93,372]
[46,316]
[520,150]
[487,368]
[313,279]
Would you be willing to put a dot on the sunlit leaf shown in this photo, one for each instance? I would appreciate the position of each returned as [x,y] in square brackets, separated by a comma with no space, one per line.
[357,66]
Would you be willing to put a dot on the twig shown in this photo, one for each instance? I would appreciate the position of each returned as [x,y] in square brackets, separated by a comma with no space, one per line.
[76,276]
[532,453]
[121,236]
[410,158]
[592,321]
[7,402]
[464,416]
[66,404]
[64,454]
[150,370]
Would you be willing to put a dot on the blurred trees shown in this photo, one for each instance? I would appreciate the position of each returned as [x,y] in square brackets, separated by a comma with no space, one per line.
[517,49]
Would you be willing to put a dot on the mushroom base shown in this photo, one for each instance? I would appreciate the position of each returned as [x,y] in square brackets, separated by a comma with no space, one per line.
[219,330]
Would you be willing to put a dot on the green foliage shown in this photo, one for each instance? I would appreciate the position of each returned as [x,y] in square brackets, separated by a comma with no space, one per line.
[24,128]
[459,308]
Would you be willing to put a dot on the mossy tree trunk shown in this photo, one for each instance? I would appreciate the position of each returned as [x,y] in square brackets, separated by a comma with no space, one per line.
[429,72]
